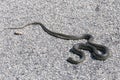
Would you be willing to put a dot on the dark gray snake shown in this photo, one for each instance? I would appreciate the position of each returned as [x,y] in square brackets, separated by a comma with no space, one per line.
[93,48]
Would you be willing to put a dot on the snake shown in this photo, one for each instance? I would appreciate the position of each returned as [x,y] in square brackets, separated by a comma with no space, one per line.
[93,48]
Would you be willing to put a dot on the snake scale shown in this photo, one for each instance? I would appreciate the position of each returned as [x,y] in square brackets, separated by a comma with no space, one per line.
[93,48]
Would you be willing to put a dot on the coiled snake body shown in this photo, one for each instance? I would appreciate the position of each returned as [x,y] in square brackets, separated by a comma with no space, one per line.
[89,45]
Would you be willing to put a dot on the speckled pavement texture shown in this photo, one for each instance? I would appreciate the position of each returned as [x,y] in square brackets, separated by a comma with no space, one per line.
[35,55]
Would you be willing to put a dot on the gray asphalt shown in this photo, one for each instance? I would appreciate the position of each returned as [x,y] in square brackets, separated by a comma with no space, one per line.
[35,55]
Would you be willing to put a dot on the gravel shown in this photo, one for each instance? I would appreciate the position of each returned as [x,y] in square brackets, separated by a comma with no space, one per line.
[35,55]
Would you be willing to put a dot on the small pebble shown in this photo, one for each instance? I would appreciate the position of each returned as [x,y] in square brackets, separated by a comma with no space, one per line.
[97,8]
[18,33]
